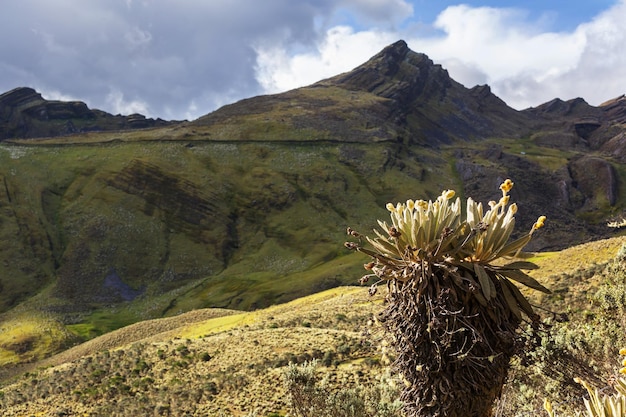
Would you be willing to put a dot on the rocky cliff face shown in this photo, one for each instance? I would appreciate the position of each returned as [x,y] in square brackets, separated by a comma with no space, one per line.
[24,113]
[427,103]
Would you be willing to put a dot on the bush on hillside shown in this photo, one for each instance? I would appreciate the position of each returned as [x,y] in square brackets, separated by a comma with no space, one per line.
[310,396]
[580,348]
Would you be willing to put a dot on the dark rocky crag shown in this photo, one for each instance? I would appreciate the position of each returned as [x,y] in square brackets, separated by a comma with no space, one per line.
[427,103]
[24,113]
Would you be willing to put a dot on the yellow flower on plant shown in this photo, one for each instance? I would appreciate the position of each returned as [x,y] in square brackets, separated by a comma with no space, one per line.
[410,204]
[506,185]
[540,222]
[391,207]
[448,194]
[622,371]
[622,351]
[547,405]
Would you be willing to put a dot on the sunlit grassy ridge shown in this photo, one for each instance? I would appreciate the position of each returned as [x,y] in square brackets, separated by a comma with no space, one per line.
[231,362]
[30,337]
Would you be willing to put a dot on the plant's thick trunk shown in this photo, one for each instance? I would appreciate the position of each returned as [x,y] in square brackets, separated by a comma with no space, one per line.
[452,351]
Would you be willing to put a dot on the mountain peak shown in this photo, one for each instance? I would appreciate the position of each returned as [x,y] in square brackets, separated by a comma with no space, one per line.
[394,53]
[19,96]
[397,95]
[396,72]
[426,101]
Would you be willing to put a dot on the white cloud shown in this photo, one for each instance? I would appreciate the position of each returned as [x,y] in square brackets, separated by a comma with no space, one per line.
[600,72]
[506,48]
[524,63]
[341,50]
[587,63]
[183,60]
[119,105]
[502,43]
[137,38]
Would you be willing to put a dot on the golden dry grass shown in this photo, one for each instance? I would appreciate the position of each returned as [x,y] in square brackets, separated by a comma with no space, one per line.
[247,351]
[577,257]
[208,362]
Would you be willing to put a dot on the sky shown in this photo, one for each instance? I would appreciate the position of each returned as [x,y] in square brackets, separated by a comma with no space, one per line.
[182,59]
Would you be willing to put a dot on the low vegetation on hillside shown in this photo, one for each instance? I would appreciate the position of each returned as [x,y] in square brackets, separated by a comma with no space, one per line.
[235,364]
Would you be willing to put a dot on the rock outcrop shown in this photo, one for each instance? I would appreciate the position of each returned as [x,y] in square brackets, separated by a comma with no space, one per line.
[24,113]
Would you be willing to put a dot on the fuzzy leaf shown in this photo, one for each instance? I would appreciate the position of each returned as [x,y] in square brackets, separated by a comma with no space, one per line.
[377,255]
[520,265]
[512,248]
[521,300]
[522,278]
[480,298]
[383,245]
[485,281]
[510,299]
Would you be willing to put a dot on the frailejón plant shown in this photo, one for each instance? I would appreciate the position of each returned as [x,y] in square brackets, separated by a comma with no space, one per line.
[453,311]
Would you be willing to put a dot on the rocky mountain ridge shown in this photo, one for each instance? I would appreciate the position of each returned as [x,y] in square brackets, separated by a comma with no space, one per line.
[401,96]
[24,113]
[397,95]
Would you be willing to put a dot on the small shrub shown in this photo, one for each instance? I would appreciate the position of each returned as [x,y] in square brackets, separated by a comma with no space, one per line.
[310,397]
[341,317]
[343,349]
[161,354]
[182,350]
[328,358]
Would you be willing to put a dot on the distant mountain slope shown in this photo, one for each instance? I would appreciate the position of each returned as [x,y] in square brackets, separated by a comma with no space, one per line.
[25,114]
[398,95]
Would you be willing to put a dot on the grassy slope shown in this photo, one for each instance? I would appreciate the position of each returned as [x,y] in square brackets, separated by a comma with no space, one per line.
[247,352]
[165,361]
[261,215]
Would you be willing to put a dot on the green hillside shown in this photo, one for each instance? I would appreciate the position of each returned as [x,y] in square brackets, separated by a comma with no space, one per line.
[125,231]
